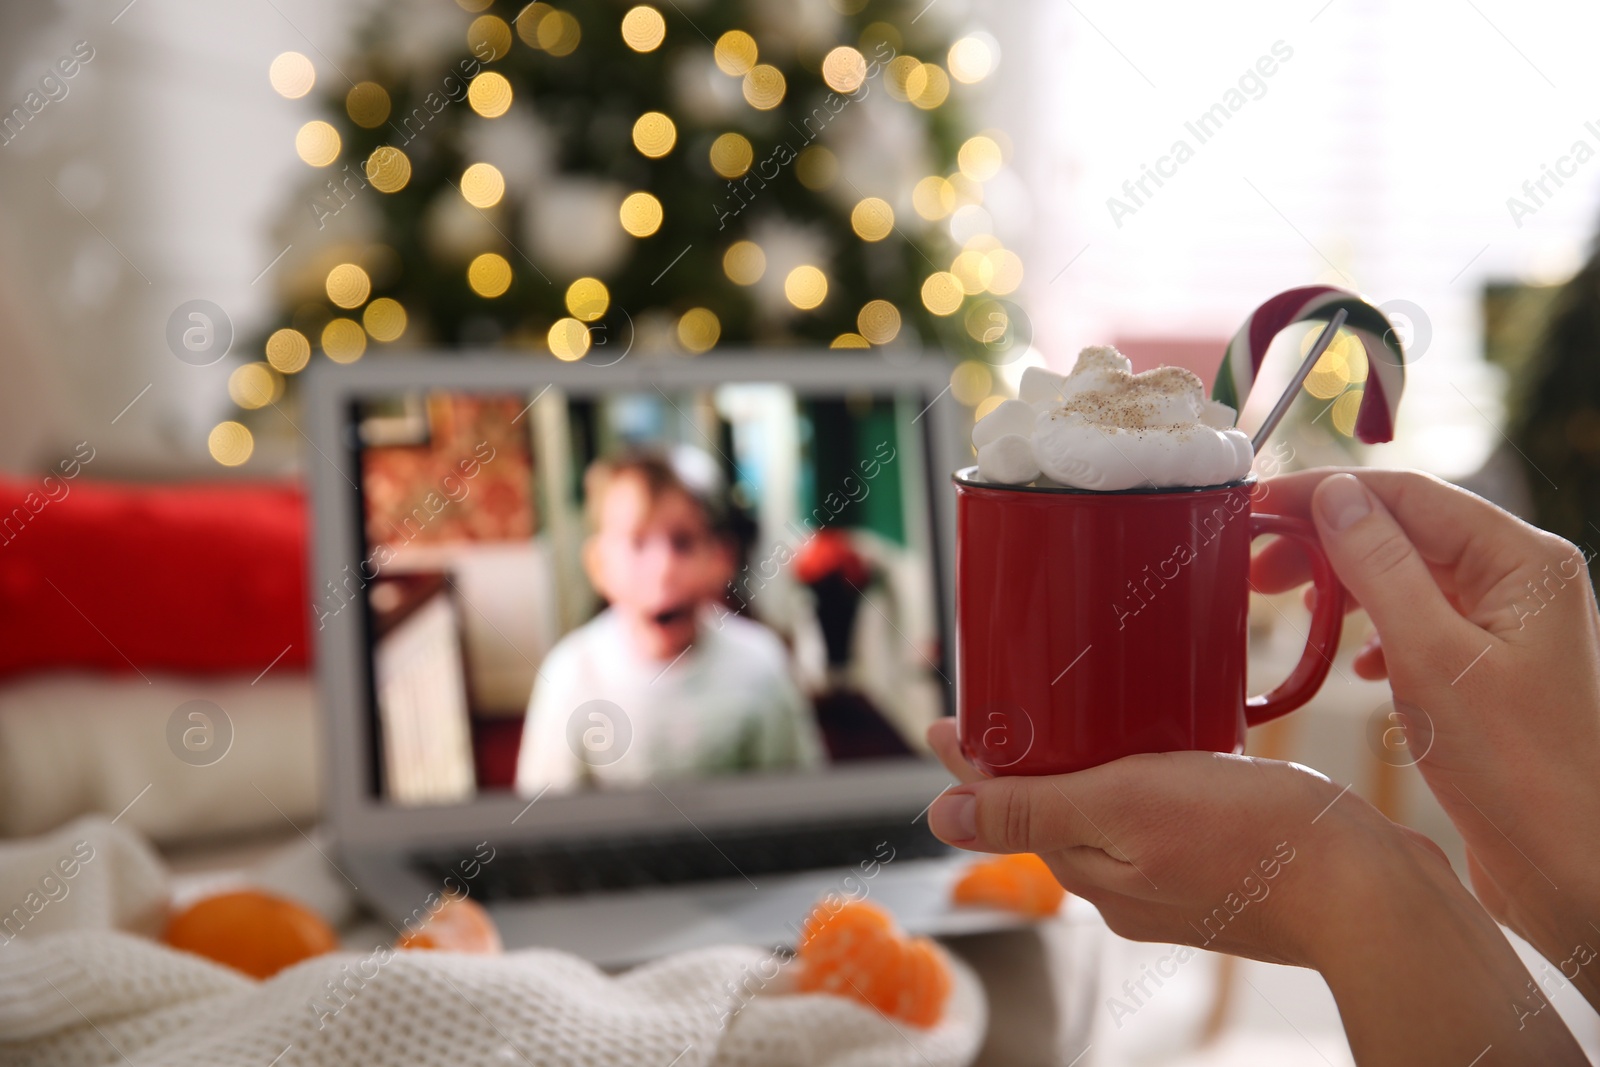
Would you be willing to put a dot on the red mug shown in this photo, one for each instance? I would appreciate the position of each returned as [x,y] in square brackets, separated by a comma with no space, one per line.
[1095,625]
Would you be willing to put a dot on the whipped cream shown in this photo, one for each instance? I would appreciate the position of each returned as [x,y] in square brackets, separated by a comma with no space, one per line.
[1104,427]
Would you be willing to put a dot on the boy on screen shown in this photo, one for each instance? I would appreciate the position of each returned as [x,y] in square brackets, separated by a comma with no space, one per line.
[698,691]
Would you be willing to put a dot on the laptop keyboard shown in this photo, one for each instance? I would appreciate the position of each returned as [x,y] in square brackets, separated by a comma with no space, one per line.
[568,868]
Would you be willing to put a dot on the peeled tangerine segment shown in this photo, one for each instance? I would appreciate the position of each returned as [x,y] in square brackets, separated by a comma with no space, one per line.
[460,924]
[852,949]
[1020,883]
[1012,416]
[1008,459]
[1040,386]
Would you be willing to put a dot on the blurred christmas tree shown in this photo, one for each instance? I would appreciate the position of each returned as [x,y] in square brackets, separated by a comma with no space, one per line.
[585,182]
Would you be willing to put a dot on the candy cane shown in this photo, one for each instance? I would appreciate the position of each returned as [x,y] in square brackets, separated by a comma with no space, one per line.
[1386,371]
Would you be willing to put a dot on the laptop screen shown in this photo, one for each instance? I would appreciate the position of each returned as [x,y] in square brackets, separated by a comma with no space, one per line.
[571,591]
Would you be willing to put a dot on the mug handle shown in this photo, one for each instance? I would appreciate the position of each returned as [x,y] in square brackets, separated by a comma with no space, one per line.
[1327,620]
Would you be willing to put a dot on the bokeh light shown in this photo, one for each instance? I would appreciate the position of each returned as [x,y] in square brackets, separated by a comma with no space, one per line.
[971,59]
[879,322]
[735,52]
[292,75]
[482,185]
[699,329]
[654,134]
[1005,271]
[979,158]
[588,299]
[643,29]
[872,219]
[384,319]
[568,339]
[942,293]
[348,285]
[1345,410]
[1335,368]
[806,287]
[254,385]
[849,340]
[898,77]
[367,104]
[764,87]
[933,198]
[288,351]
[928,86]
[744,263]
[844,69]
[230,443]
[344,340]
[559,33]
[388,169]
[317,143]
[490,94]
[641,214]
[987,405]
[970,381]
[489,275]
[489,38]
[527,22]
[817,168]
[731,155]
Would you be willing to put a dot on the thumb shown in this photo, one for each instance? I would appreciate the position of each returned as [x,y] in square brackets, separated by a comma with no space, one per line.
[1017,814]
[1377,562]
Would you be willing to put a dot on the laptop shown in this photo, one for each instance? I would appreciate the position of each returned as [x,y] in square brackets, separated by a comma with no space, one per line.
[468,658]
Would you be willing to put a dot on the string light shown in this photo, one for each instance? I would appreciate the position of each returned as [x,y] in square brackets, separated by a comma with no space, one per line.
[699,329]
[764,87]
[317,143]
[384,319]
[942,293]
[367,104]
[806,287]
[641,214]
[489,275]
[735,52]
[879,322]
[490,94]
[489,38]
[348,285]
[744,262]
[388,169]
[288,351]
[872,219]
[588,299]
[568,340]
[731,155]
[344,340]
[230,443]
[482,185]
[844,69]
[643,29]
[292,75]
[654,134]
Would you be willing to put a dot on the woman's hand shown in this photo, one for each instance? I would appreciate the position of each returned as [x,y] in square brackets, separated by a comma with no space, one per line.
[1273,861]
[1488,633]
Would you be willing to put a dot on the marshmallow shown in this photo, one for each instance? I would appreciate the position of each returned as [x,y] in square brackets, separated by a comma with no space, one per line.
[1103,427]
[1008,459]
[1012,416]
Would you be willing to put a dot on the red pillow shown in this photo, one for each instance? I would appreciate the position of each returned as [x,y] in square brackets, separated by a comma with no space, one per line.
[194,578]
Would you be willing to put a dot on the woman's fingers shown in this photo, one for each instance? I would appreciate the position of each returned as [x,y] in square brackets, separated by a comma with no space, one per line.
[946,744]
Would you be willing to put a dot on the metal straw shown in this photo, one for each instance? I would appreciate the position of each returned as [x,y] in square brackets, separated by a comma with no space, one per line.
[1282,406]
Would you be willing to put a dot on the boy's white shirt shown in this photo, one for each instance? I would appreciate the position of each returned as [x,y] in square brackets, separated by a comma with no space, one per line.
[728,704]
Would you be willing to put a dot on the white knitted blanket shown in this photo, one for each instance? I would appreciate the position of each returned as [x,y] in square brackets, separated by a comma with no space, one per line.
[78,988]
